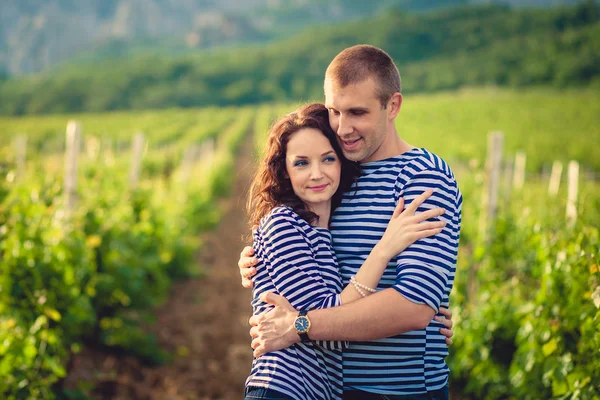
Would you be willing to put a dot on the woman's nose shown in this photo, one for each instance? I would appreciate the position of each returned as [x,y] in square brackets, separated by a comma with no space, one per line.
[315,172]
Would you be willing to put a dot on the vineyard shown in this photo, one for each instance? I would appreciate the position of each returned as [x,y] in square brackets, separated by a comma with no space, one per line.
[87,257]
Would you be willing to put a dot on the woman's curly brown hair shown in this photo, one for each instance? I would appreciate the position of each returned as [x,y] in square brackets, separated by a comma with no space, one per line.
[271,187]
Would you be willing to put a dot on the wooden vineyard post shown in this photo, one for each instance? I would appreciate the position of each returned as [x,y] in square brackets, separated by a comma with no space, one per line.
[508,178]
[21,154]
[108,153]
[491,186]
[555,175]
[519,172]
[489,203]
[207,152]
[73,139]
[92,148]
[136,159]
[571,212]
[187,165]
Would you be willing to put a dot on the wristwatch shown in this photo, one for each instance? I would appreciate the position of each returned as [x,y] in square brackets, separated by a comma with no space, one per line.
[302,325]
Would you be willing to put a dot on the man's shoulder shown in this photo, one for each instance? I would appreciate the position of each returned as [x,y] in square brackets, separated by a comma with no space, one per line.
[424,161]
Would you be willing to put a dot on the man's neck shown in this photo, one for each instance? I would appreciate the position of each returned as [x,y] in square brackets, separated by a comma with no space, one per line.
[392,146]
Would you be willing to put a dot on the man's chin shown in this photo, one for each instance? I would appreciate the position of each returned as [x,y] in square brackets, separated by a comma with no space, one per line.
[353,156]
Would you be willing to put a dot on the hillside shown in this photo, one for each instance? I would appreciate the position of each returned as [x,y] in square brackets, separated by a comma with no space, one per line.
[36,34]
[435,51]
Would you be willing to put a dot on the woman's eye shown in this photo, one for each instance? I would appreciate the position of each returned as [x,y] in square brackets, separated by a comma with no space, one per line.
[300,163]
[329,159]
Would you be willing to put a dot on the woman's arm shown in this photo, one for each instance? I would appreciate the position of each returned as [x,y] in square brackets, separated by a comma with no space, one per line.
[404,229]
[290,267]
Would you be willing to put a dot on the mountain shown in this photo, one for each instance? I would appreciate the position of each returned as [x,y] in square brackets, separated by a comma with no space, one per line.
[38,34]
[441,50]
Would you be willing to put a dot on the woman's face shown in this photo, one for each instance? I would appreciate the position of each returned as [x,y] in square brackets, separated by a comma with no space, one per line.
[313,167]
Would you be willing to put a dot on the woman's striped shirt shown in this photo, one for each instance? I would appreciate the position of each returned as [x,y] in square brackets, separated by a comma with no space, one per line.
[412,362]
[297,262]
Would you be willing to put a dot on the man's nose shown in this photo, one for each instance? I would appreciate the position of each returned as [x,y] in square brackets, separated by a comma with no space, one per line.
[344,126]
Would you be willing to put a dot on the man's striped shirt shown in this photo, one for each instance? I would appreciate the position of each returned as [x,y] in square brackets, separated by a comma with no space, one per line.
[297,262]
[412,362]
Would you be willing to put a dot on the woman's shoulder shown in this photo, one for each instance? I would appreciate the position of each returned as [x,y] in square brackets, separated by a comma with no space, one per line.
[279,217]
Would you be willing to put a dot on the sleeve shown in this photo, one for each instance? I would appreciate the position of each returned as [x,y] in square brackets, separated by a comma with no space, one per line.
[425,268]
[293,270]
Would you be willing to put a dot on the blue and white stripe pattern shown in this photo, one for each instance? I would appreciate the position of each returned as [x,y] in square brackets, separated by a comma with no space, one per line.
[413,362]
[297,262]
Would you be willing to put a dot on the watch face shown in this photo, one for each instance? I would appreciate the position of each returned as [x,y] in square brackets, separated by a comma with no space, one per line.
[301,324]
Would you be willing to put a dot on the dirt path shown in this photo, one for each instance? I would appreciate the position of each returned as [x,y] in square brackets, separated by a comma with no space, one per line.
[204,322]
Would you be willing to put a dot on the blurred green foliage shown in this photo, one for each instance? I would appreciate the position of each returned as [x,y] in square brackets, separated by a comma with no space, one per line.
[547,124]
[442,50]
[527,303]
[94,275]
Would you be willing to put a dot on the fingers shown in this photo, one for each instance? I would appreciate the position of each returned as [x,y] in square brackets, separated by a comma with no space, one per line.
[425,215]
[247,252]
[248,272]
[254,227]
[254,320]
[426,233]
[447,323]
[259,351]
[399,208]
[247,283]
[430,225]
[254,332]
[412,207]
[448,334]
[276,300]
[446,312]
[246,266]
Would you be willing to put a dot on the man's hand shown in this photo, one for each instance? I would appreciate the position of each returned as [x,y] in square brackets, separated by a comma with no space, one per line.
[246,264]
[274,330]
[447,322]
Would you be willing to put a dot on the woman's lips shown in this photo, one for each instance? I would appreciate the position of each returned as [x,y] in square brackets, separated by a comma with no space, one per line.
[319,188]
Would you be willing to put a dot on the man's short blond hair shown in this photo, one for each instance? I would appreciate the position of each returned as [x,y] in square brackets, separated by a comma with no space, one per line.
[358,63]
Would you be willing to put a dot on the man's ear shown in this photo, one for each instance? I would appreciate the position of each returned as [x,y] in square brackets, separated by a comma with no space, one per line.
[394,105]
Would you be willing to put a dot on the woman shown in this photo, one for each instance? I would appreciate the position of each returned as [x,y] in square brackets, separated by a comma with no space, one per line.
[291,198]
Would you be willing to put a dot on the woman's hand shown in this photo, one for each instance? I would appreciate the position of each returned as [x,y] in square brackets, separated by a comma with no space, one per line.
[447,321]
[246,264]
[405,227]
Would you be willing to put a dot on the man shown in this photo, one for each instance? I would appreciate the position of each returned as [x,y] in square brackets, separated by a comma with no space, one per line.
[396,349]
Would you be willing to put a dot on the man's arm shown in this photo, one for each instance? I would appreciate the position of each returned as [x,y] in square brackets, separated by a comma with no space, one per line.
[385,313]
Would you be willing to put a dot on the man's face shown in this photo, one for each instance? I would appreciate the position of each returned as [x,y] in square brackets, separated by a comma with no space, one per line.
[357,117]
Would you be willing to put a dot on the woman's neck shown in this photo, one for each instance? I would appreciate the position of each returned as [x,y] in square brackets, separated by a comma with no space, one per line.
[323,210]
